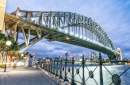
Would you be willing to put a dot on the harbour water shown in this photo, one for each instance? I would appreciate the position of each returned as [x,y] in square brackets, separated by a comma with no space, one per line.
[107,77]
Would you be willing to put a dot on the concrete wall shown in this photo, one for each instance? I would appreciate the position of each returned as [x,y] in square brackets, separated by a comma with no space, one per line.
[2,13]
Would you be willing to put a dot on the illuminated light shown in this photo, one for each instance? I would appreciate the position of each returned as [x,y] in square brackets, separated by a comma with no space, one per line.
[43,23]
[91,40]
[22,54]
[71,33]
[67,38]
[32,19]
[101,44]
[59,29]
[51,26]
[19,14]
[66,31]
[80,36]
[8,43]
[88,39]
[84,38]
[76,35]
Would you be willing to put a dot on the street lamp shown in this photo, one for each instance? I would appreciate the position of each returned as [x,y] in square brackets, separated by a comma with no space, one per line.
[22,54]
[8,43]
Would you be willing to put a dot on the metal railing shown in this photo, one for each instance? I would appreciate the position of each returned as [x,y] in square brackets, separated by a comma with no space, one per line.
[70,70]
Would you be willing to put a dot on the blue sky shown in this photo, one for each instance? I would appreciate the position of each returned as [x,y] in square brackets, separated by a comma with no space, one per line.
[112,15]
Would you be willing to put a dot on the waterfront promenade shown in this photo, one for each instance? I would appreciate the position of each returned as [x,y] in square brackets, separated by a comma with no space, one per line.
[24,76]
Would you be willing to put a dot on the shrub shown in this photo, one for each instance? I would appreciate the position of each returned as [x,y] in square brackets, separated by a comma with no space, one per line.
[2,65]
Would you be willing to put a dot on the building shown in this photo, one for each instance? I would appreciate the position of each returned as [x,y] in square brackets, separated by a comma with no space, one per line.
[2,13]
[93,55]
[120,56]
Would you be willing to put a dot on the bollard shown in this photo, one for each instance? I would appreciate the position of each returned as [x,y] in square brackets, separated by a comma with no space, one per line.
[66,54]
[72,80]
[100,69]
[60,68]
[83,63]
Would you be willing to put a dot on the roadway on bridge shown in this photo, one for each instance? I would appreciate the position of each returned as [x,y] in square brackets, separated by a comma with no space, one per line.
[24,76]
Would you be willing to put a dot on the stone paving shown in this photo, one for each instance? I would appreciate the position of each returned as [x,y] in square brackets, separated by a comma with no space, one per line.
[24,76]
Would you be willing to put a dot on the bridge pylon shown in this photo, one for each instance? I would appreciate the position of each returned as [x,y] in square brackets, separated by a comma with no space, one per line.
[119,57]
[2,13]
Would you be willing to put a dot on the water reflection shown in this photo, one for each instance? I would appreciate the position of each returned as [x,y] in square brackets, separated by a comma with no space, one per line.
[107,77]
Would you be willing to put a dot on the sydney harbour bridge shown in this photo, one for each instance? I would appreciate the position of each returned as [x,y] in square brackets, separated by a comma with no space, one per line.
[64,27]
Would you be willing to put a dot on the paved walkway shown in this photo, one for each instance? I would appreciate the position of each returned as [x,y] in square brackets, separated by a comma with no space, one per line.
[24,76]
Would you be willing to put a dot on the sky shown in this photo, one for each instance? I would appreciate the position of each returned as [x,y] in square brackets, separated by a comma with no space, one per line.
[112,15]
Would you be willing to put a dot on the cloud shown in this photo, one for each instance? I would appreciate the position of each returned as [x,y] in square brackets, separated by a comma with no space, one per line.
[112,15]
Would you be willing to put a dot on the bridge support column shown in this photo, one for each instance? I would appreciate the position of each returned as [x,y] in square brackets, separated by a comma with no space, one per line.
[15,29]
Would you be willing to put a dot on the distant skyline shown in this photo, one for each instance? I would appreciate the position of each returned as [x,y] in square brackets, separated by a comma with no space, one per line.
[112,15]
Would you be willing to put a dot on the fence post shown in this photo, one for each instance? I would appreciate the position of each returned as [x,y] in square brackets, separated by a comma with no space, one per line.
[60,68]
[57,68]
[51,66]
[54,68]
[43,64]
[100,69]
[66,54]
[72,80]
[83,63]
[48,67]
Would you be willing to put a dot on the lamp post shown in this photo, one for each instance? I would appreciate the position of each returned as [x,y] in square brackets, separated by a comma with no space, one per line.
[8,43]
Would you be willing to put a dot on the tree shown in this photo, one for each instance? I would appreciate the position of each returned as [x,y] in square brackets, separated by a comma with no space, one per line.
[18,55]
[3,47]
[11,54]
[14,45]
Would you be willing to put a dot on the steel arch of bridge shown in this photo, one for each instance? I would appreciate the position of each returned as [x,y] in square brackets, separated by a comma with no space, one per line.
[71,24]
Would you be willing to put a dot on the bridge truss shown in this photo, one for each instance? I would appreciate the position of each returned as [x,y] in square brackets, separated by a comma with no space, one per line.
[56,26]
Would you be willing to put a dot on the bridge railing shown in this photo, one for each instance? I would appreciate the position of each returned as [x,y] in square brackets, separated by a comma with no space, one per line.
[78,73]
